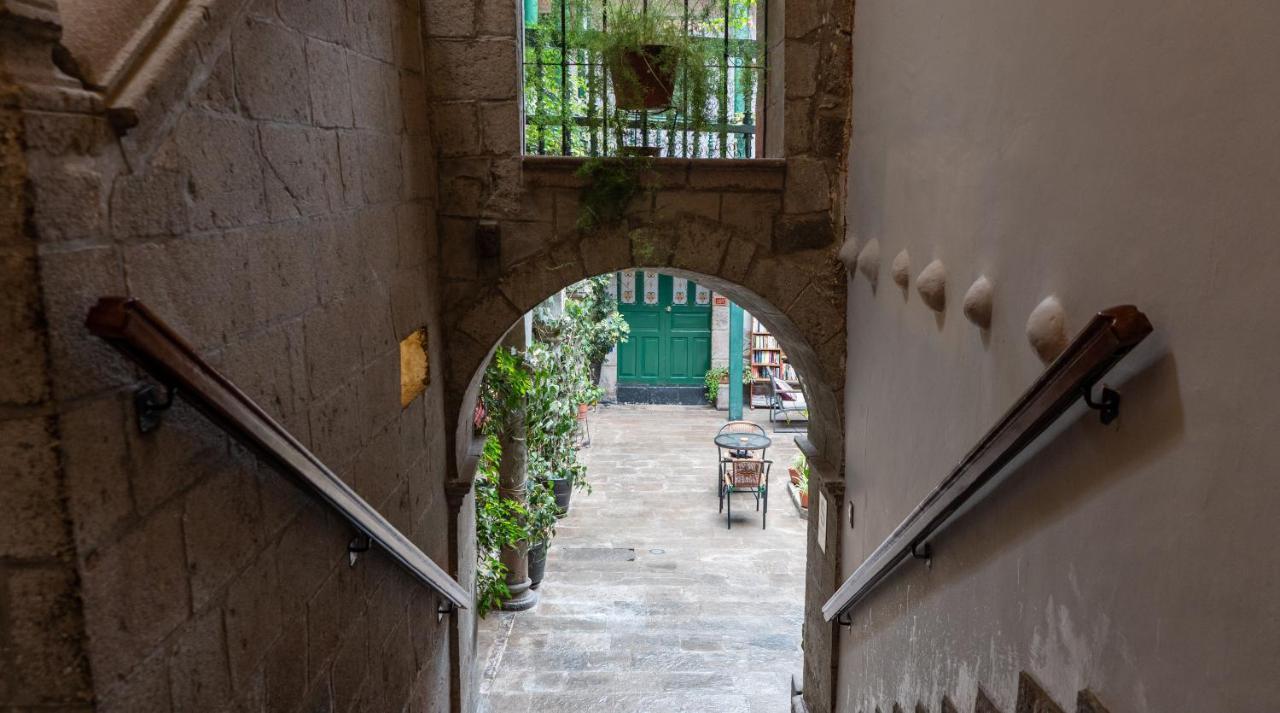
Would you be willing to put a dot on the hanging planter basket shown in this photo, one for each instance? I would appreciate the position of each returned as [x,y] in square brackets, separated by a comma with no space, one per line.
[642,81]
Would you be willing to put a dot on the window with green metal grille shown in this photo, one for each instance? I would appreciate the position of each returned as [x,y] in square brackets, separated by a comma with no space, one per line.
[570,107]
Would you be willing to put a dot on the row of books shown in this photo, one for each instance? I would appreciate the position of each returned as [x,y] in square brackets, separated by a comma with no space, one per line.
[764,341]
[764,371]
[769,358]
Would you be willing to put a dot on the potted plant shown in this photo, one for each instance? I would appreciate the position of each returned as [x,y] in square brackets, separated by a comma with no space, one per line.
[589,397]
[799,474]
[714,379]
[562,488]
[798,469]
[653,60]
[541,526]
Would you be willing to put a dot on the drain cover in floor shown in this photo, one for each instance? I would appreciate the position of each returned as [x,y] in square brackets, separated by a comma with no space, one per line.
[599,554]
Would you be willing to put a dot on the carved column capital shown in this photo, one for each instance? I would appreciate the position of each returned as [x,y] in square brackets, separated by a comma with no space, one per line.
[455,492]
[32,55]
[38,18]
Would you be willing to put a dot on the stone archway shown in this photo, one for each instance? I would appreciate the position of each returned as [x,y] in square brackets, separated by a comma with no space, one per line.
[712,221]
[715,222]
[493,315]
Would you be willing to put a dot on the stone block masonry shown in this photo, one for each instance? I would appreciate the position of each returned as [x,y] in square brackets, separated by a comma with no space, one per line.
[272,197]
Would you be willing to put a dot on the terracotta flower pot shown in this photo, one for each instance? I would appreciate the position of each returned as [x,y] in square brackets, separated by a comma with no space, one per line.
[804,499]
[795,475]
[582,412]
[653,85]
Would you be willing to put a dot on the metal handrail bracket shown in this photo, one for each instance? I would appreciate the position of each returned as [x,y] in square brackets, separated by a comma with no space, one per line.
[138,333]
[1108,337]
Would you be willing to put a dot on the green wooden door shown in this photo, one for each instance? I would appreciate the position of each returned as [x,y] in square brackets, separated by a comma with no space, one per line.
[670,342]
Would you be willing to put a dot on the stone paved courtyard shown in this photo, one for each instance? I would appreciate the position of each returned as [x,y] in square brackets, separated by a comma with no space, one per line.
[703,618]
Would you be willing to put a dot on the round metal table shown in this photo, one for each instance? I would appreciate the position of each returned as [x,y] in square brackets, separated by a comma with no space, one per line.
[742,443]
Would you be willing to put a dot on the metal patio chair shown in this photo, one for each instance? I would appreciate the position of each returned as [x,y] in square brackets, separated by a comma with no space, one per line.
[746,476]
[784,401]
[726,455]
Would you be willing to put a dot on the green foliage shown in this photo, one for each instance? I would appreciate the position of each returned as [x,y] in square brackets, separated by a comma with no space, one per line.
[597,324]
[560,383]
[500,522]
[712,382]
[801,464]
[612,183]
[574,58]
[541,388]
[542,512]
[634,28]
[715,375]
[505,388]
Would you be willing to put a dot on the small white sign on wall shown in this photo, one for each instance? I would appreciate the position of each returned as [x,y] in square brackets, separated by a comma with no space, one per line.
[702,295]
[822,521]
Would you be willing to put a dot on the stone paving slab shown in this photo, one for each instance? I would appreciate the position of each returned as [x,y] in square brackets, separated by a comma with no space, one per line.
[704,618]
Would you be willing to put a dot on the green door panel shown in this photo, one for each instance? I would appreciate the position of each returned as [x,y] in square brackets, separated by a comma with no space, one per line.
[649,362]
[670,344]
[693,323]
[679,358]
[700,357]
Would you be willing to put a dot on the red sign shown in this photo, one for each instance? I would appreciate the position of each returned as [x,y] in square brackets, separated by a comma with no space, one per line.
[721,301]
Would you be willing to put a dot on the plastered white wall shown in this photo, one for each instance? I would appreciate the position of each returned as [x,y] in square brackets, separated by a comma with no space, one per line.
[1104,153]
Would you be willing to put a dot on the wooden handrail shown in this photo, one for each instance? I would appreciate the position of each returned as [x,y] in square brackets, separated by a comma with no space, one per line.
[1104,341]
[142,336]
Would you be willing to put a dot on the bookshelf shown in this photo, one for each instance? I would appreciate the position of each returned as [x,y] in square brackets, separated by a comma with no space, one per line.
[767,358]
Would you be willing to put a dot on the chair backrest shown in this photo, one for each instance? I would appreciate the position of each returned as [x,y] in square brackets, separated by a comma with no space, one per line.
[748,473]
[784,390]
[742,427]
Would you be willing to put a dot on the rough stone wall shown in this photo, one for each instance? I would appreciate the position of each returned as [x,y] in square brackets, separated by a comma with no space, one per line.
[1103,155]
[273,200]
[41,631]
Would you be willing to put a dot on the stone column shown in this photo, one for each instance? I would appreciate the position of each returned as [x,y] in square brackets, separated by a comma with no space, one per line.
[511,484]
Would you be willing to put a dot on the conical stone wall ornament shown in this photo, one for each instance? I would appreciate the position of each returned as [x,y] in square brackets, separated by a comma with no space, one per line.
[869,262]
[849,253]
[977,303]
[1047,329]
[901,269]
[932,286]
